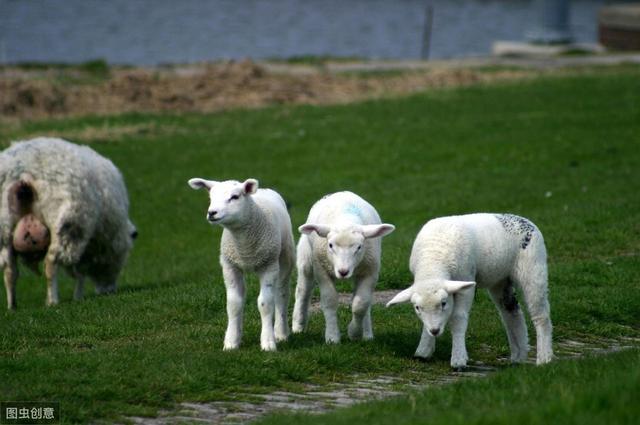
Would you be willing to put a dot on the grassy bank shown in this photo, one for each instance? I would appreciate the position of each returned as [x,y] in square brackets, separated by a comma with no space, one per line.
[564,152]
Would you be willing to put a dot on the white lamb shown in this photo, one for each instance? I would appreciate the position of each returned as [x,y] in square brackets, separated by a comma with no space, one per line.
[341,239]
[257,237]
[65,204]
[499,252]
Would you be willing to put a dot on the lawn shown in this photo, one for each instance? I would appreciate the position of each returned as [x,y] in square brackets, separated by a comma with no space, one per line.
[562,151]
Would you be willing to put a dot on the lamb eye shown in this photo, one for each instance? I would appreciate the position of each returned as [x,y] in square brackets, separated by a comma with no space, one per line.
[234,197]
[417,308]
[330,246]
[359,246]
[444,303]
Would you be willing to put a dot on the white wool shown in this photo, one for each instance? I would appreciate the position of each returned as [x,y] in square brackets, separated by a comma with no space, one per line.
[257,237]
[81,198]
[341,239]
[498,252]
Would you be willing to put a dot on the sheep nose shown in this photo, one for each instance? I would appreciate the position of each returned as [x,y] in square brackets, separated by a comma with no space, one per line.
[212,215]
[434,331]
[343,272]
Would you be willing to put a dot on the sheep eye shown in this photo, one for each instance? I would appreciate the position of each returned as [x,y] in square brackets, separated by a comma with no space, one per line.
[444,303]
[330,246]
[417,308]
[359,246]
[234,197]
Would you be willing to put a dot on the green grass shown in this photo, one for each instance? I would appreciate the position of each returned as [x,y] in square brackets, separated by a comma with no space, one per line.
[589,391]
[564,152]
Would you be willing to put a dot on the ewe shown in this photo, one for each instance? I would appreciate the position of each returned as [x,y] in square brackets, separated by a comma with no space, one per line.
[341,239]
[67,205]
[499,252]
[257,237]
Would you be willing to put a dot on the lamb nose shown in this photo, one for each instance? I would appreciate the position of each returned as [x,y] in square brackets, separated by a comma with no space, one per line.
[434,331]
[212,214]
[343,272]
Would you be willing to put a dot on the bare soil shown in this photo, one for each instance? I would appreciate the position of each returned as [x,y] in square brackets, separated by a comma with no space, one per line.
[36,94]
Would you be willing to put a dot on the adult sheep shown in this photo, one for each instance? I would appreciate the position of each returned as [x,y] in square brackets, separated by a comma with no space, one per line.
[499,252]
[341,239]
[67,205]
[257,238]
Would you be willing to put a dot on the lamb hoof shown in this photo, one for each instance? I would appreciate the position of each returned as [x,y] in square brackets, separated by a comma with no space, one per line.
[269,346]
[297,328]
[421,359]
[459,368]
[282,338]
[230,346]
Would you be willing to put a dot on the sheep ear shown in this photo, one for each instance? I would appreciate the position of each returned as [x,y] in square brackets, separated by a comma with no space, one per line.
[377,230]
[320,229]
[453,286]
[250,186]
[198,183]
[403,296]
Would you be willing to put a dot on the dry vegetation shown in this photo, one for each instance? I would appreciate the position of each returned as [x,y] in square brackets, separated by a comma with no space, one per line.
[63,92]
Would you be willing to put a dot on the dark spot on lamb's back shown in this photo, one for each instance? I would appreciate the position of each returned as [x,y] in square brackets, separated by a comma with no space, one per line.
[518,226]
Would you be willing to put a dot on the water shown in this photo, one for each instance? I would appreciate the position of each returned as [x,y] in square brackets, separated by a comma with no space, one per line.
[146,32]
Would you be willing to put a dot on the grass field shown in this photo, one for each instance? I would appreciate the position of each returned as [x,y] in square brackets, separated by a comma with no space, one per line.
[564,152]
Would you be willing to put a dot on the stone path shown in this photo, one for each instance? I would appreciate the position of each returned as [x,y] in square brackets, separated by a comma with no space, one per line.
[358,389]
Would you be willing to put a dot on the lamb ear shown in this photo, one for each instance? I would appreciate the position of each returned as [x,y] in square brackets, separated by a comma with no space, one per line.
[377,230]
[403,296]
[453,286]
[198,183]
[250,186]
[321,229]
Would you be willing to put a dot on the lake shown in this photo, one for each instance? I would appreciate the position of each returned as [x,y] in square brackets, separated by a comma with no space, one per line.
[149,32]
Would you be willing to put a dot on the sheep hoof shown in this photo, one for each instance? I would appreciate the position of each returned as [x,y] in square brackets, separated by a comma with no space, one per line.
[421,359]
[282,338]
[459,368]
[268,346]
[230,347]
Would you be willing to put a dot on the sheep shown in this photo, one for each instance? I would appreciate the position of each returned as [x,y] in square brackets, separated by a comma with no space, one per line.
[340,240]
[67,205]
[256,237]
[499,252]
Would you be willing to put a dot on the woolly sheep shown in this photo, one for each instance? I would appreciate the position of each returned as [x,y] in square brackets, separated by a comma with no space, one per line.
[341,239]
[257,237]
[499,252]
[67,205]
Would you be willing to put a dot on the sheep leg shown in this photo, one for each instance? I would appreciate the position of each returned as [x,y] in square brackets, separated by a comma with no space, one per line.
[329,304]
[51,273]
[235,288]
[268,278]
[281,306]
[304,286]
[427,344]
[535,291]
[78,292]
[10,279]
[503,296]
[361,309]
[459,322]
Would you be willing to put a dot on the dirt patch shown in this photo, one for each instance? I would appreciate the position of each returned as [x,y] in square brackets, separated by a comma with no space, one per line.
[211,87]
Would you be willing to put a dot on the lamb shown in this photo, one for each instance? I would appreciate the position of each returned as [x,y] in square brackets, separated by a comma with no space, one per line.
[499,252]
[340,240]
[67,205]
[257,237]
